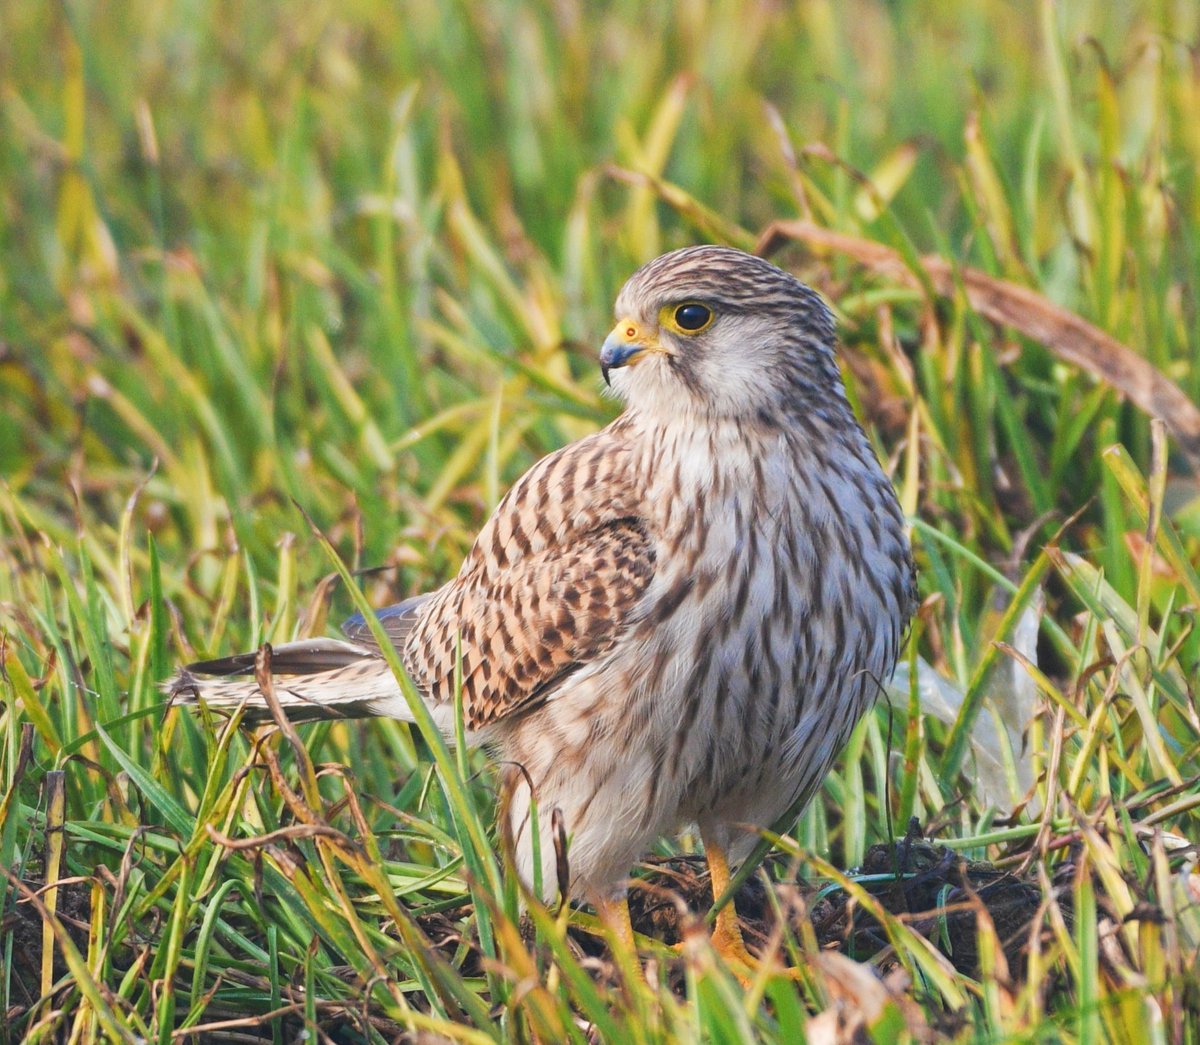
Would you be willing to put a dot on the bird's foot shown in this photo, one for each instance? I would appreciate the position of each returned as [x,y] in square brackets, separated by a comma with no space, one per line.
[726,937]
[616,927]
[729,944]
[613,915]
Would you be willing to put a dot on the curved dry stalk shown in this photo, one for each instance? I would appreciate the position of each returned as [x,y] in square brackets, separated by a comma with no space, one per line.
[1069,336]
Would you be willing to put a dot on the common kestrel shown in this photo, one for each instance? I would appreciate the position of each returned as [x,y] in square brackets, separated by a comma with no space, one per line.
[677,620]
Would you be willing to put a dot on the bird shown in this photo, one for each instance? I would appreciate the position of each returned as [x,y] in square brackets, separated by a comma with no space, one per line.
[672,623]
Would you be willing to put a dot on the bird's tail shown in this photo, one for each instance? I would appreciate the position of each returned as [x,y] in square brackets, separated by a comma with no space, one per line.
[312,679]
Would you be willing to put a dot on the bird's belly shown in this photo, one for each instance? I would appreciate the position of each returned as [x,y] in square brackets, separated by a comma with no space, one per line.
[725,710]
[754,687]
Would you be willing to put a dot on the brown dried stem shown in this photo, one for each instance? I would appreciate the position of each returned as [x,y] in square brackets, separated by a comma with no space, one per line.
[1067,335]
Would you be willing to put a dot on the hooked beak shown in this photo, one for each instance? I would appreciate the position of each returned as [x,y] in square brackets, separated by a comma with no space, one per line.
[624,345]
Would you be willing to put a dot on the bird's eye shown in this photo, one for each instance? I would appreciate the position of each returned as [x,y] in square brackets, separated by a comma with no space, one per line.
[693,317]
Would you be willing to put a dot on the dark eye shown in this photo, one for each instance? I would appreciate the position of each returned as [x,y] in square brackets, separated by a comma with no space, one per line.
[693,316]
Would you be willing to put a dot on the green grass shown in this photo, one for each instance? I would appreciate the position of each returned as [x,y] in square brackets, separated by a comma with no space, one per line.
[355,260]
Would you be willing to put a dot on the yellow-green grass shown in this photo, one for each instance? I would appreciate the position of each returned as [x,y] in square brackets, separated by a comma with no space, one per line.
[354,261]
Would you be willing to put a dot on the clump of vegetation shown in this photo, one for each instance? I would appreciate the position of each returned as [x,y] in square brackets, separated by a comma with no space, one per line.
[350,264]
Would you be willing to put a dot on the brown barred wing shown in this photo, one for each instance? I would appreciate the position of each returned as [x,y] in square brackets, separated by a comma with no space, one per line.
[525,629]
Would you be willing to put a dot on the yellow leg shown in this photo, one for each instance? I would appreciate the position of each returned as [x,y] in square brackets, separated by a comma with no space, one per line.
[727,933]
[614,916]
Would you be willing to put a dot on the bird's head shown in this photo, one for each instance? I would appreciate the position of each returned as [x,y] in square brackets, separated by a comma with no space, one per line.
[716,331]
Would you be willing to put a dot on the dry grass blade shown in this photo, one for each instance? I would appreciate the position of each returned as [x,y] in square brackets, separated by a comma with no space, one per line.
[56,800]
[1067,335]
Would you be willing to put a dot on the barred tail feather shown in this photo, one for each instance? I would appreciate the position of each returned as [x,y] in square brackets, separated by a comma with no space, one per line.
[313,679]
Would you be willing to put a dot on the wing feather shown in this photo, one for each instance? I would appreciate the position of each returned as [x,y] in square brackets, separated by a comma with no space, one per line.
[397,620]
[552,580]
